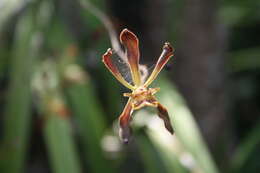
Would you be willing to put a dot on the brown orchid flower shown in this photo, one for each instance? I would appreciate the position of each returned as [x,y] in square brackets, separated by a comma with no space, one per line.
[141,95]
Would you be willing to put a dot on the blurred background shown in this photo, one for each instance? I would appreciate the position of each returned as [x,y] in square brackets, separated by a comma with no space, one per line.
[59,104]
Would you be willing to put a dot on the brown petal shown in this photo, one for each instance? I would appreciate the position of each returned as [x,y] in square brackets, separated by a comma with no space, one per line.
[131,43]
[163,59]
[113,69]
[124,122]
[163,114]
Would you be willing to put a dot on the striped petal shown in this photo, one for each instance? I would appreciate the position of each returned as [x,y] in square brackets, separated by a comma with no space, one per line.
[166,54]
[124,122]
[113,69]
[131,43]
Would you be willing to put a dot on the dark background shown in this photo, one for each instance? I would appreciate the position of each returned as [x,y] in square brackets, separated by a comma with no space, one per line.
[58,102]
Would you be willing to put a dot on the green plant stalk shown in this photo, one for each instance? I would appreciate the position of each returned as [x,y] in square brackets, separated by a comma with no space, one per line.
[17,112]
[89,116]
[185,126]
[60,145]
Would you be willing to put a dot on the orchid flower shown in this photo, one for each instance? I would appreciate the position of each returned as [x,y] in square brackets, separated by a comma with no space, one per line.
[141,95]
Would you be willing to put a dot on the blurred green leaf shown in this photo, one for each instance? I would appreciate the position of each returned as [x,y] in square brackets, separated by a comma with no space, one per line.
[9,8]
[60,145]
[89,117]
[17,112]
[245,59]
[246,149]
[239,12]
[156,158]
[186,129]
[57,128]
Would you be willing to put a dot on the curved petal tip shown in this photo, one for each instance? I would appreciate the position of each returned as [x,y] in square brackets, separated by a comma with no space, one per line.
[163,114]
[125,134]
[126,36]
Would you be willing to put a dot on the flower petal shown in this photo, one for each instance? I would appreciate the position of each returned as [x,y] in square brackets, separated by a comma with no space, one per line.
[163,59]
[131,43]
[113,69]
[163,114]
[124,122]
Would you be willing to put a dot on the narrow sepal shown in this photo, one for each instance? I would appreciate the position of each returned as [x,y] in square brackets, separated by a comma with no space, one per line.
[166,54]
[113,69]
[124,122]
[131,43]
[163,114]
